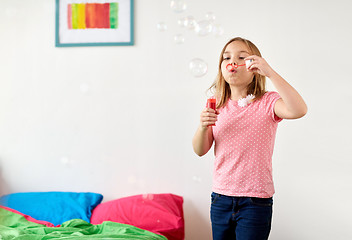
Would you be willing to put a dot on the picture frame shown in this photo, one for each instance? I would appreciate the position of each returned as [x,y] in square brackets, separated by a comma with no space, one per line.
[81,23]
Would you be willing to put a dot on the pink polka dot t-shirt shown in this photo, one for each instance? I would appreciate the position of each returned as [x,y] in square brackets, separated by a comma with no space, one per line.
[244,143]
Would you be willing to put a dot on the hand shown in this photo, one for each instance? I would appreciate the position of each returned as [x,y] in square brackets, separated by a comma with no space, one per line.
[208,117]
[259,65]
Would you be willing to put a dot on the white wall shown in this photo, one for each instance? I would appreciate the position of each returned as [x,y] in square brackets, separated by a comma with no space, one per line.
[119,120]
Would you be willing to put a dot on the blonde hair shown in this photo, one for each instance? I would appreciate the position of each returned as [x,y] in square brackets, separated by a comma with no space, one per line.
[222,88]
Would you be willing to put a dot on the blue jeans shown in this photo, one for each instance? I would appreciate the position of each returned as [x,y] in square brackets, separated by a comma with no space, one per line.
[240,218]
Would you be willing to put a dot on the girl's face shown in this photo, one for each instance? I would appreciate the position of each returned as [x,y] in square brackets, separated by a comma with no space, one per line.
[235,53]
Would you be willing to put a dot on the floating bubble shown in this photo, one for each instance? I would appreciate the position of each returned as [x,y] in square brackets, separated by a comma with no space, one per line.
[218,30]
[182,22]
[161,26]
[210,16]
[190,22]
[179,39]
[178,6]
[65,161]
[197,179]
[198,67]
[148,196]
[203,28]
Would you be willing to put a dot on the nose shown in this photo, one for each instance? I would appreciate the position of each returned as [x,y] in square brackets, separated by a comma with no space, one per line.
[234,65]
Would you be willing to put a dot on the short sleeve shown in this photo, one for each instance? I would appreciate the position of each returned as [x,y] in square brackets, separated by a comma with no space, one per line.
[270,100]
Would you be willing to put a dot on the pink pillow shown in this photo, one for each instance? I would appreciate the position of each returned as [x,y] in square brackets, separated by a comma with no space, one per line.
[158,213]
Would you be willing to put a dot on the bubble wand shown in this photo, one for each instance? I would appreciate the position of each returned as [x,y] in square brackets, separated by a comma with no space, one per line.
[231,67]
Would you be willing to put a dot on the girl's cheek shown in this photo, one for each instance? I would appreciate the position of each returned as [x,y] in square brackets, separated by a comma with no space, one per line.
[224,72]
[223,69]
[222,66]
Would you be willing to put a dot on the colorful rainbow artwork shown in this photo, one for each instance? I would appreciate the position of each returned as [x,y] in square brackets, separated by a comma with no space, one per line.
[92,15]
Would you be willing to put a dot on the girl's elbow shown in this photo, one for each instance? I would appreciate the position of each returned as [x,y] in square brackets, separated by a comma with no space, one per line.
[301,113]
[199,153]
[304,111]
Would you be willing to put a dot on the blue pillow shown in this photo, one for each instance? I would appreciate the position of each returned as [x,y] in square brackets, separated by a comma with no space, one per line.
[54,207]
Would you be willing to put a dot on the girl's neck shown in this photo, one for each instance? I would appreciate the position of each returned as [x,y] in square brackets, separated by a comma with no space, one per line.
[237,93]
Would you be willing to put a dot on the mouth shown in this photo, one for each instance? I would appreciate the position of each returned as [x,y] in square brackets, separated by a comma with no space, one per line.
[230,68]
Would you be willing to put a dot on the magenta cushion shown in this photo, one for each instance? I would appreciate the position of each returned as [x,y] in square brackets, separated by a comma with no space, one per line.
[158,213]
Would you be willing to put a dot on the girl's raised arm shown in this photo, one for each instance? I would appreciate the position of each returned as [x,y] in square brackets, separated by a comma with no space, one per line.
[291,105]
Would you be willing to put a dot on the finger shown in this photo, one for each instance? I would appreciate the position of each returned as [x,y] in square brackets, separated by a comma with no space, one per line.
[206,118]
[208,111]
[254,70]
[250,64]
[211,110]
[208,124]
[254,66]
[209,118]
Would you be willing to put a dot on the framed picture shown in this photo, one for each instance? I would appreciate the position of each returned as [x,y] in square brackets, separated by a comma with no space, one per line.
[94,23]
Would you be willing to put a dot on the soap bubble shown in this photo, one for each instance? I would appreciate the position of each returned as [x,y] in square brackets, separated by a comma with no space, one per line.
[218,30]
[198,67]
[190,22]
[179,38]
[197,179]
[148,196]
[182,22]
[203,28]
[178,6]
[161,26]
[65,161]
[210,16]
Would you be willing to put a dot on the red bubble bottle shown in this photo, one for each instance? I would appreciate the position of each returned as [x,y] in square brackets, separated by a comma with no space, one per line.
[211,103]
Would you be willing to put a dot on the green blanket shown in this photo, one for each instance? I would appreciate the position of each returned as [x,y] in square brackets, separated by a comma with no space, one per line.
[15,227]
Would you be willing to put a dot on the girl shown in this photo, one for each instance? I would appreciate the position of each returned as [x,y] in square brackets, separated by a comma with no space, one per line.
[246,119]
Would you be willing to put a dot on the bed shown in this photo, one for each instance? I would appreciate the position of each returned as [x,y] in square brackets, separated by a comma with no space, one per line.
[83,215]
